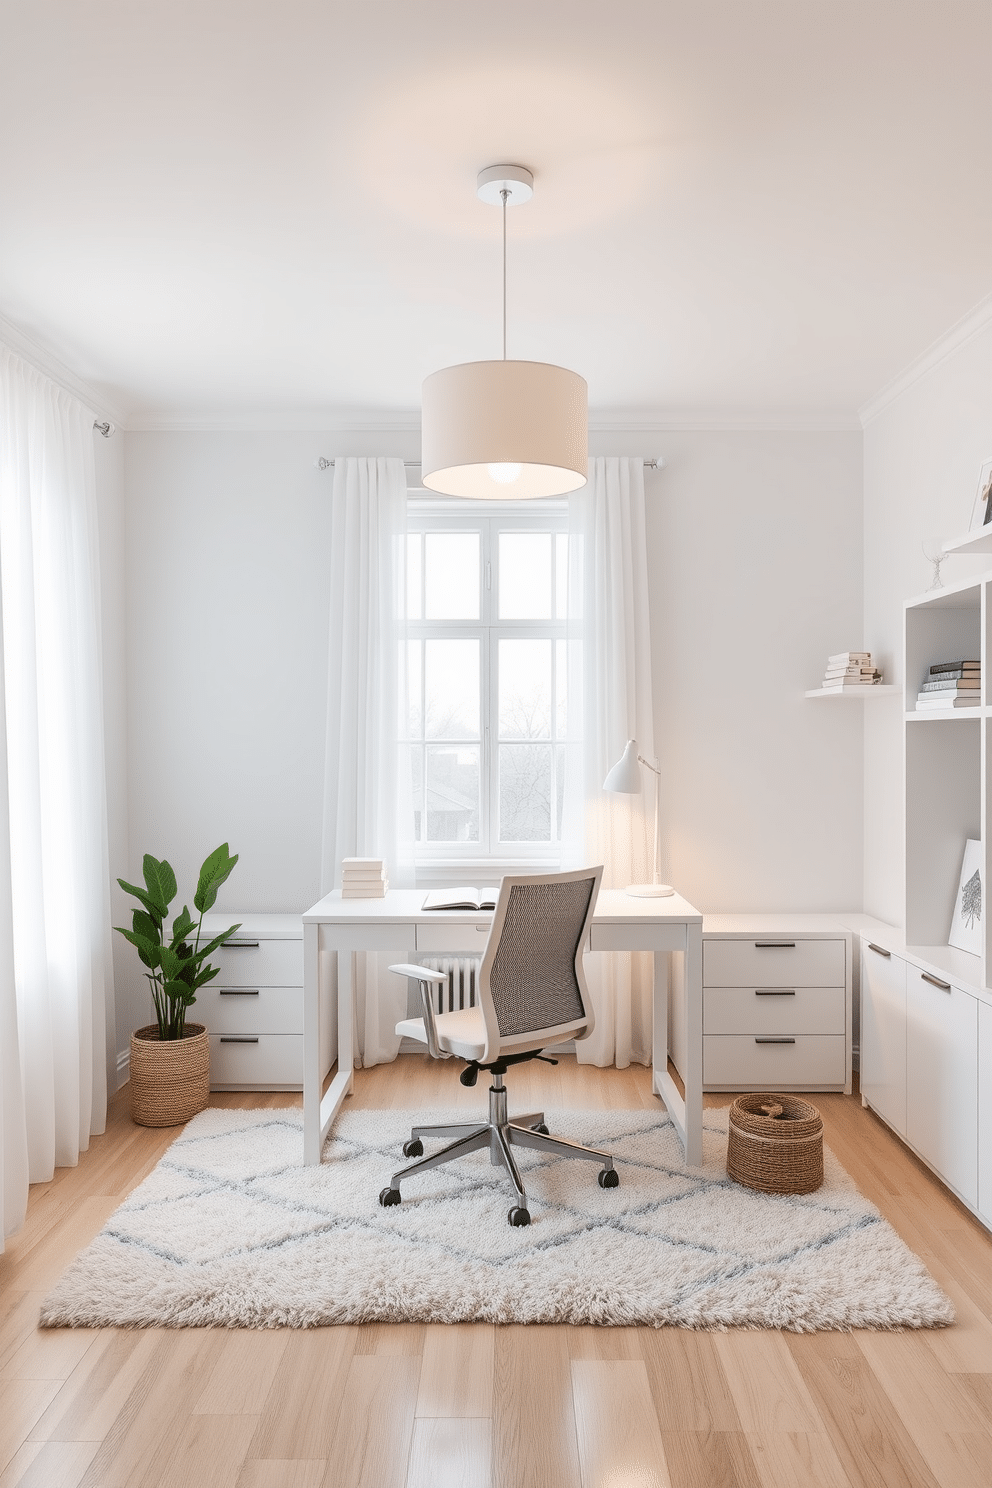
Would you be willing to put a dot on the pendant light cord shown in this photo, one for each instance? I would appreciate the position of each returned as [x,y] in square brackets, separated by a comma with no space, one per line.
[504,194]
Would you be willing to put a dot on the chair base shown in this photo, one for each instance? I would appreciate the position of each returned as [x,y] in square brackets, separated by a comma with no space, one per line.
[500,1135]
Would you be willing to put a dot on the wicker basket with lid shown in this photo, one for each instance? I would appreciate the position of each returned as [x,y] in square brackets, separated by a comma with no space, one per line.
[775,1144]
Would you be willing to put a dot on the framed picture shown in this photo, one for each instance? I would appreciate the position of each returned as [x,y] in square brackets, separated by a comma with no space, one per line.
[966,921]
[981,512]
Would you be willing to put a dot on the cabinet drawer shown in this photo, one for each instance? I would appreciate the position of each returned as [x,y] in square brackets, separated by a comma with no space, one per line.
[735,1062]
[743,1010]
[259,963]
[250,1009]
[449,937]
[268,1060]
[774,961]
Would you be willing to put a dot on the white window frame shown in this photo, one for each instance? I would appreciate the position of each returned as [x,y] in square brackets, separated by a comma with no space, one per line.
[439,860]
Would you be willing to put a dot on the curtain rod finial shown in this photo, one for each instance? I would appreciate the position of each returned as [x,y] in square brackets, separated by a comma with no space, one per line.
[106,428]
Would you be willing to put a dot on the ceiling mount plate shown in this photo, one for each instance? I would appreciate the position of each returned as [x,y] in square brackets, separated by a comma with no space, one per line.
[516,180]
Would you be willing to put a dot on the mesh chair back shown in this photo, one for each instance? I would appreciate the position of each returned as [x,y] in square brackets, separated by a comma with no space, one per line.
[534,979]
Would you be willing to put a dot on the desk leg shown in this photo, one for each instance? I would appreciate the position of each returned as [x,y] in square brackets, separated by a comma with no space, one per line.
[687,1114]
[311,1044]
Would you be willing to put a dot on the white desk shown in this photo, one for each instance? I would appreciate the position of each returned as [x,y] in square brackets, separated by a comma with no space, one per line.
[397,926]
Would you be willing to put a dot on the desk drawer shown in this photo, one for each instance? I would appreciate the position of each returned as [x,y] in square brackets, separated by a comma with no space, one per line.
[757,1010]
[259,963]
[774,961]
[250,1009]
[256,1062]
[732,1062]
[453,937]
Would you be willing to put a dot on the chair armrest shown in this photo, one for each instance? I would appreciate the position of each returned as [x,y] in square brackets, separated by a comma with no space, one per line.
[425,976]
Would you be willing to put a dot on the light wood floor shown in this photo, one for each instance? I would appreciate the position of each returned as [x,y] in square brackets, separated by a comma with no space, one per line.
[411,1406]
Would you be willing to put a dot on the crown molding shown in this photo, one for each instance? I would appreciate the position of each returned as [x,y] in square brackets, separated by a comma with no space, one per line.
[963,331]
[688,421]
[45,361]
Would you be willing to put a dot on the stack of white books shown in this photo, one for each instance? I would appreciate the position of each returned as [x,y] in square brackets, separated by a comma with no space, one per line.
[363,878]
[951,684]
[850,669]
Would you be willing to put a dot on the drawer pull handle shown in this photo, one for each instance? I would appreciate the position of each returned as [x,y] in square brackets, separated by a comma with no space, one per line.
[774,991]
[935,981]
[237,991]
[240,945]
[774,1041]
[879,950]
[232,1039]
[774,945]
[484,929]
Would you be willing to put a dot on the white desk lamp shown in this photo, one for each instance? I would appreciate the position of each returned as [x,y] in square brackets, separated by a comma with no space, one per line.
[625,779]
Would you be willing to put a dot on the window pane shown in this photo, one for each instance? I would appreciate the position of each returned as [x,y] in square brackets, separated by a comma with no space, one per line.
[561,576]
[559,788]
[525,792]
[451,564]
[414,691]
[415,757]
[414,577]
[525,575]
[561,689]
[451,671]
[525,689]
[452,793]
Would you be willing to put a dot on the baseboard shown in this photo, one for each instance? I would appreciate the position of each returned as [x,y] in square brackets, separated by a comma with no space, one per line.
[123,1067]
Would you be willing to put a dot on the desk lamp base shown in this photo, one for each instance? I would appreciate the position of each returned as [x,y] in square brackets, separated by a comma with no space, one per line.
[650,891]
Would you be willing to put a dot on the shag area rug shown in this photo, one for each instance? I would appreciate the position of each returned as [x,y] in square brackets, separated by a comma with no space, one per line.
[232,1230]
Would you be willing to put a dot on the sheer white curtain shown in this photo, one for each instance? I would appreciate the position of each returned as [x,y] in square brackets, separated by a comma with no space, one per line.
[56,978]
[611,680]
[367,801]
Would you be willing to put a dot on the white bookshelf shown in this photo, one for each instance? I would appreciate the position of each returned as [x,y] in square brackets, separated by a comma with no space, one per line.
[946,775]
[878,689]
[979,541]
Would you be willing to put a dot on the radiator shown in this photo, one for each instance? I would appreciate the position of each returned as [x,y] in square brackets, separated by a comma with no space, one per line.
[459,991]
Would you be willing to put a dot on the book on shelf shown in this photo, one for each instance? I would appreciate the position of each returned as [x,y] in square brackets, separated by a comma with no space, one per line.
[972,674]
[955,666]
[843,657]
[953,684]
[927,701]
[462,898]
[850,671]
[842,684]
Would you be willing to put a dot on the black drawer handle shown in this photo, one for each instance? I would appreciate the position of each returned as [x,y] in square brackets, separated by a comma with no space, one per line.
[240,945]
[237,991]
[232,1040]
[935,981]
[774,1041]
[774,991]
[774,945]
[879,950]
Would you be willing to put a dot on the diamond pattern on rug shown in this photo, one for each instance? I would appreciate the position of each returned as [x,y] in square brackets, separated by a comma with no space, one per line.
[232,1230]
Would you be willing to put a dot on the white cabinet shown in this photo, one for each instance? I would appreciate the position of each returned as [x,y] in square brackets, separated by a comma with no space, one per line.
[883,1034]
[985,1112]
[253,1009]
[776,1003]
[942,1079]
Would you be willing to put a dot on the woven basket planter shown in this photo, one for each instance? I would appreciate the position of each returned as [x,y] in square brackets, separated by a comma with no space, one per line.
[170,1080]
[776,1144]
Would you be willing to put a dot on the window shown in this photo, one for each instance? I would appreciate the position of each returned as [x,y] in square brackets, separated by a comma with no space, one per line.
[487,680]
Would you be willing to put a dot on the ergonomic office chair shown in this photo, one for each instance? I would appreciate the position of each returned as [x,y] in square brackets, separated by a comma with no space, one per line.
[531,993]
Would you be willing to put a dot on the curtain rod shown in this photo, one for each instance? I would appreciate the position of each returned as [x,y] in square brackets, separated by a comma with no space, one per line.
[323,463]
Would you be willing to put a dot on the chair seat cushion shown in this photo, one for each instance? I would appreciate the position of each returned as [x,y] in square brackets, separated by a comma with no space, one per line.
[462,1033]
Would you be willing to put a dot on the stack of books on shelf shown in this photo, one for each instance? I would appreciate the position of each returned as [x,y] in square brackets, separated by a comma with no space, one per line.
[951,684]
[850,669]
[363,878]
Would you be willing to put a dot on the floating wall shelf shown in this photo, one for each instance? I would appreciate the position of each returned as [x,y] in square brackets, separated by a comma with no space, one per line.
[833,692]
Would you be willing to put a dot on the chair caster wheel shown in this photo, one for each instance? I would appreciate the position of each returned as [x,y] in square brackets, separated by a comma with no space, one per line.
[519,1216]
[389,1196]
[413,1148]
[609,1178]
[540,1127]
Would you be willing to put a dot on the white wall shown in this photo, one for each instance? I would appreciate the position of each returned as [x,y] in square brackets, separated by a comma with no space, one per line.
[922,457]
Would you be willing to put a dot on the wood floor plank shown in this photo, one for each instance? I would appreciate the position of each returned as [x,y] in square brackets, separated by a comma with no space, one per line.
[589,1342]
[448,1453]
[73,1229]
[794,1459]
[97,1391]
[456,1375]
[49,1465]
[272,1474]
[244,1372]
[50,1353]
[207,1449]
[401,1339]
[371,1448]
[766,1385]
[534,1442]
[618,1435]
[860,1419]
[300,1414]
[22,1403]
[710,1459]
[688,1384]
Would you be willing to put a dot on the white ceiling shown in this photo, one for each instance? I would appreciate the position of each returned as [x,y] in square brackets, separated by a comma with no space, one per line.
[216,208]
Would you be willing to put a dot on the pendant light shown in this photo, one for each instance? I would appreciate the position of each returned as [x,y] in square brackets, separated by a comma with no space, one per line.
[504,430]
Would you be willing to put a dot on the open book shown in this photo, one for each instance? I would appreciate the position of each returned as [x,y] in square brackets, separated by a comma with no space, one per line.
[463,898]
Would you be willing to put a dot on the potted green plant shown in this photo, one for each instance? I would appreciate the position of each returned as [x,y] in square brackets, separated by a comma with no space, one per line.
[170,1058]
